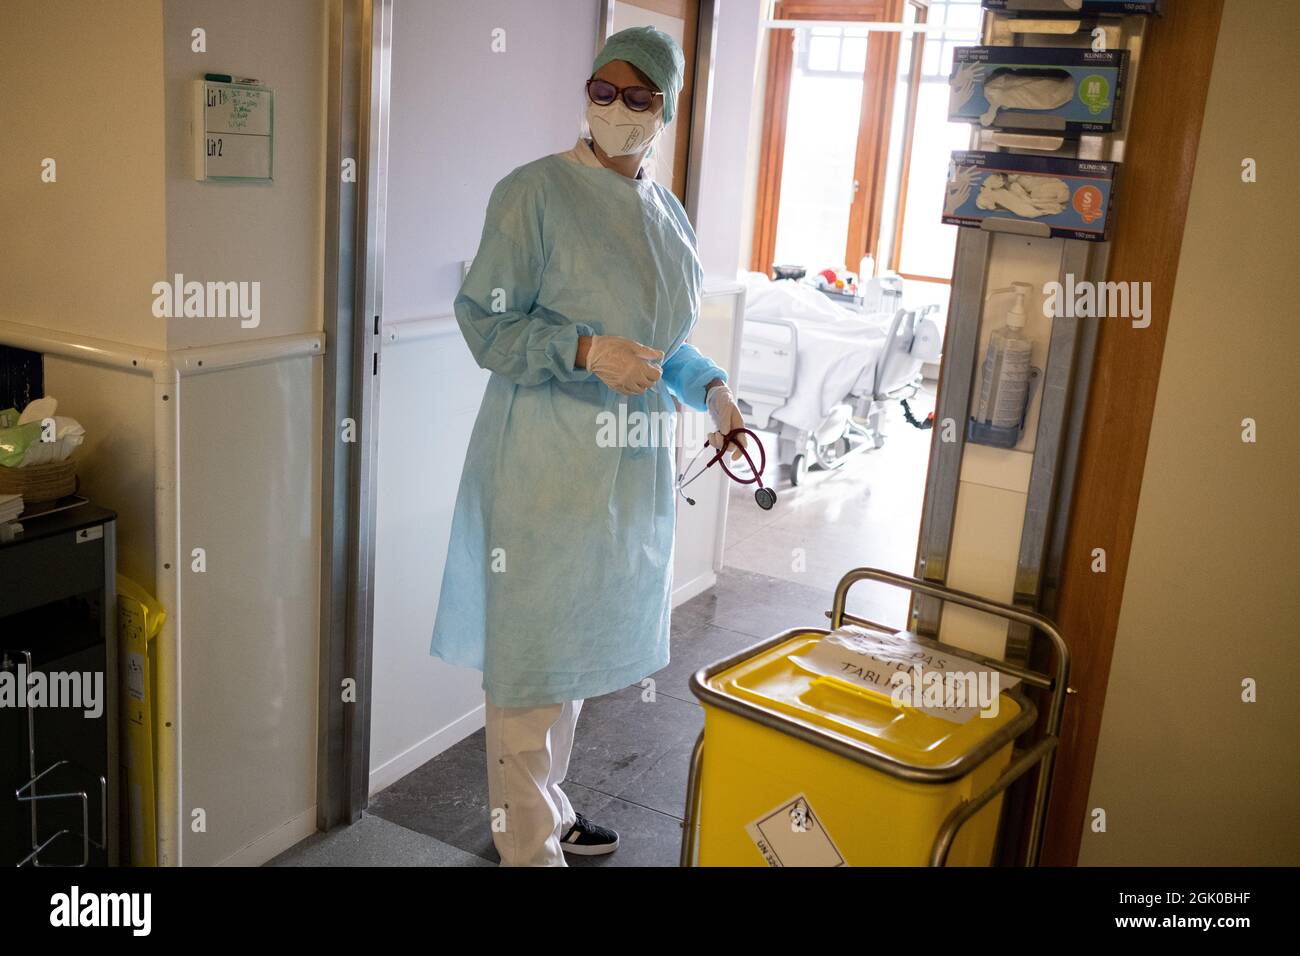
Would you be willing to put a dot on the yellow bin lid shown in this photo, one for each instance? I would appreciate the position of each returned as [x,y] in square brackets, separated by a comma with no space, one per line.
[777,684]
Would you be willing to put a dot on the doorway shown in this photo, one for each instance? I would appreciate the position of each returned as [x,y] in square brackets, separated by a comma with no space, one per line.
[426,776]
[846,232]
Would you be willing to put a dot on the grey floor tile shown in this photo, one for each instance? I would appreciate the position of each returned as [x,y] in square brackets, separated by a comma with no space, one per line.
[691,615]
[693,650]
[663,786]
[445,798]
[760,605]
[373,841]
[866,513]
[621,737]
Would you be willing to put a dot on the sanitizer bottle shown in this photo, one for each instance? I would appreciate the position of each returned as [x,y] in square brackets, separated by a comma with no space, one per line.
[1005,377]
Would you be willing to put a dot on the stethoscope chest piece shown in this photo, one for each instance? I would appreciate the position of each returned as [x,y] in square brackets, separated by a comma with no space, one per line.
[765,497]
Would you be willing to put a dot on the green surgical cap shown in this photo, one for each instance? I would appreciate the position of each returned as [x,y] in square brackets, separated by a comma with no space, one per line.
[655,54]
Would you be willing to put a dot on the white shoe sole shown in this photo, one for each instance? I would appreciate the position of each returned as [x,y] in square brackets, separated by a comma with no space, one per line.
[578,849]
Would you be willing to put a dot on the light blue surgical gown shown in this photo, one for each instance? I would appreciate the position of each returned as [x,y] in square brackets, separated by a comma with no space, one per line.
[559,570]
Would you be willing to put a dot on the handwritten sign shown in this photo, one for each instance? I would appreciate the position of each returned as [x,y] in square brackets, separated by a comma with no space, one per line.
[881,662]
[233,131]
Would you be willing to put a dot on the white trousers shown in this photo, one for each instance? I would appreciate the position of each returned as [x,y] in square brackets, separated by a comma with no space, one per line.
[527,759]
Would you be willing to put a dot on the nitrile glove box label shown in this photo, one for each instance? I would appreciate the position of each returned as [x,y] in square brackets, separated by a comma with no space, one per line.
[1072,8]
[1037,89]
[1041,195]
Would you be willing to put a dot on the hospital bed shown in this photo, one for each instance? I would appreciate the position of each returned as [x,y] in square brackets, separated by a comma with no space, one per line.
[819,374]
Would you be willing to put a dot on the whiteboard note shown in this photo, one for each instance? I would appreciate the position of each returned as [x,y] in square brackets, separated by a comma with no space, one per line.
[237,109]
[233,131]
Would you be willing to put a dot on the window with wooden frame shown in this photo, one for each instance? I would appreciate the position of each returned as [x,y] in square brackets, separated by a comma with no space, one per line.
[826,115]
[918,245]
[888,204]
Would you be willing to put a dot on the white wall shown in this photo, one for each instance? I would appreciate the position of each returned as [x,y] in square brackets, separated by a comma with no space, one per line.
[265,232]
[250,439]
[83,251]
[727,190]
[1187,773]
[462,117]
[749,211]
[421,704]
[250,482]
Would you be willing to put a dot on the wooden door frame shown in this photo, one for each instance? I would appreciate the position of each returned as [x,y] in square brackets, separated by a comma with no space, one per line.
[871,156]
[1150,213]
[909,137]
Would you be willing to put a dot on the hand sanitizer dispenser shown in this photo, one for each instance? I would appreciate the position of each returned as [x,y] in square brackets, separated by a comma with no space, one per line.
[1006,377]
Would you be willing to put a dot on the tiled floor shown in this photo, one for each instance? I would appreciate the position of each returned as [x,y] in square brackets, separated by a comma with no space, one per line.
[631,754]
[865,513]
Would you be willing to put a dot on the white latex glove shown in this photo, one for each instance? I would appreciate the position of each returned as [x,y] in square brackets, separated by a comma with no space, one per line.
[627,367]
[1016,91]
[726,418]
[1027,196]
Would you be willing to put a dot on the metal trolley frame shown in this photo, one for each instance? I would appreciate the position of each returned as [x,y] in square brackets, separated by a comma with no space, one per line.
[1040,752]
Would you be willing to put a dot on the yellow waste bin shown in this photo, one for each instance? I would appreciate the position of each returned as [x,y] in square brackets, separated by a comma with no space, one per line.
[798,766]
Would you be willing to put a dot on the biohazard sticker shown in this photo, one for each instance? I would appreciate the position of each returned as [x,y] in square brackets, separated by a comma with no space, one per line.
[792,835]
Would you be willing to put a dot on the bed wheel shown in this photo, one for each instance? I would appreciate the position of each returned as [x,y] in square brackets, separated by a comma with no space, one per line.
[798,470]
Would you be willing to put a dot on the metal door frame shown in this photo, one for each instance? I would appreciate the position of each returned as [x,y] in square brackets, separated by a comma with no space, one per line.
[358,99]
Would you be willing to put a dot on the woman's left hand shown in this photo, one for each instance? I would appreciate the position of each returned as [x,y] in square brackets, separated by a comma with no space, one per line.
[726,418]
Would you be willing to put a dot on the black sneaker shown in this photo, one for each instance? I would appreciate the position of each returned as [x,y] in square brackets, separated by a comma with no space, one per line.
[587,839]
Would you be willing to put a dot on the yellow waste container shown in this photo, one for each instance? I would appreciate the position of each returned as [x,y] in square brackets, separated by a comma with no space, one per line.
[802,768]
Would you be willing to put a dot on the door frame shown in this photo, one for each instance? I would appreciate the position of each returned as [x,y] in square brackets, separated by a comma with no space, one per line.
[357,106]
[358,102]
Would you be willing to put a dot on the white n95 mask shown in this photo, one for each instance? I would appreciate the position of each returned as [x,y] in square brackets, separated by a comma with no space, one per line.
[620,131]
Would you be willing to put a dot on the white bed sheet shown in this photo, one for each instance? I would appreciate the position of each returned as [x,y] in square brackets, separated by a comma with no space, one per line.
[837,347]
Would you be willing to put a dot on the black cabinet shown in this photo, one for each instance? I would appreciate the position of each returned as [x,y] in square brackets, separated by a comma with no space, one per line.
[59,768]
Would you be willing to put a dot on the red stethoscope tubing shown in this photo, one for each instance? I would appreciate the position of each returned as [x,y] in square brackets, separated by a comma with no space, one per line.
[729,439]
[765,496]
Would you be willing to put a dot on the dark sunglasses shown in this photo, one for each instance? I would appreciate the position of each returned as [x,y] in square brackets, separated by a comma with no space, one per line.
[637,98]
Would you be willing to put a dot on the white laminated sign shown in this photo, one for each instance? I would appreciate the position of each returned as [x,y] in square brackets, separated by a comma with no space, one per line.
[792,835]
[912,674]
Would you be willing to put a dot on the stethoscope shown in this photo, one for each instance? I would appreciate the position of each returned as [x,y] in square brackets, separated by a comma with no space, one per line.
[765,497]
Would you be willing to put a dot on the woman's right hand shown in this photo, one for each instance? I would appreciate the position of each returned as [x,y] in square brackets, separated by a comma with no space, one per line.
[627,367]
